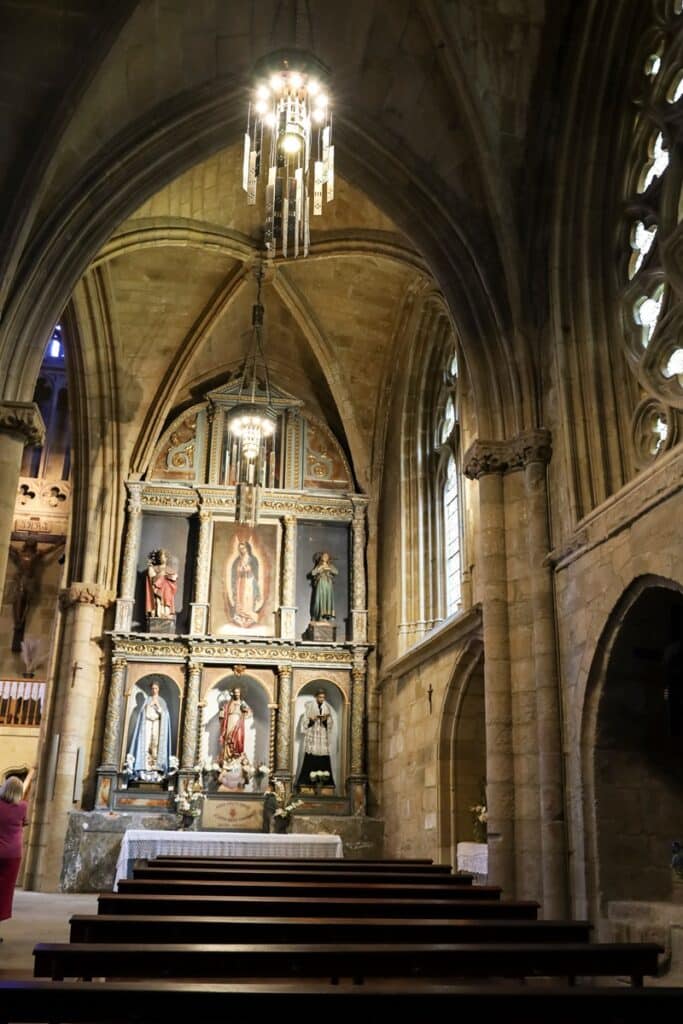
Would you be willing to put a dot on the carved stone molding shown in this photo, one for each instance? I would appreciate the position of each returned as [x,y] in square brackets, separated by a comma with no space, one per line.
[23,421]
[484,457]
[134,506]
[86,593]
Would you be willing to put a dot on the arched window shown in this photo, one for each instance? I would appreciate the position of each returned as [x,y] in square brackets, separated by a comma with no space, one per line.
[447,491]
[431,544]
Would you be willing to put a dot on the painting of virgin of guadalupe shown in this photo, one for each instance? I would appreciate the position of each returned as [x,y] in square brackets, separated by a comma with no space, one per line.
[244,580]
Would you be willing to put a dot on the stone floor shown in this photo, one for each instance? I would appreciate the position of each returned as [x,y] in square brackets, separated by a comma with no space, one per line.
[38,917]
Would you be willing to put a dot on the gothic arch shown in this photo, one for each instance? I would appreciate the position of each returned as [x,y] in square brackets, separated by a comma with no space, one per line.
[463,705]
[632,790]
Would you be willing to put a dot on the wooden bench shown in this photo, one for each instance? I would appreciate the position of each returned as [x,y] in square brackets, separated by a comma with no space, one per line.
[165,928]
[326,889]
[334,961]
[280,874]
[306,864]
[310,906]
[124,1002]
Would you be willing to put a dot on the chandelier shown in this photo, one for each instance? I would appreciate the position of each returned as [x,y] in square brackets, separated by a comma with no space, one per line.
[250,451]
[288,149]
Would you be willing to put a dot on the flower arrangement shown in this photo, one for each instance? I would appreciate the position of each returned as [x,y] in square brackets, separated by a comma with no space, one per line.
[284,807]
[188,803]
[479,819]
[318,777]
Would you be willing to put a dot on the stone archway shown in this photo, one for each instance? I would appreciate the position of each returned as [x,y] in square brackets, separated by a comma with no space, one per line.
[636,749]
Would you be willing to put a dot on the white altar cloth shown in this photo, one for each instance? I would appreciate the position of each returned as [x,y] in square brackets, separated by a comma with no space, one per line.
[473,857]
[145,843]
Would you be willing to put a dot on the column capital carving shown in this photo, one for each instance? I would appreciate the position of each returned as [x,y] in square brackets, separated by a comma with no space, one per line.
[195,667]
[134,499]
[86,593]
[289,521]
[204,515]
[23,420]
[485,457]
[118,663]
[284,671]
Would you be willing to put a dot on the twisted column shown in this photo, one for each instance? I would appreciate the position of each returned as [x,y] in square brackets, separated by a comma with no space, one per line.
[189,750]
[284,722]
[359,611]
[288,606]
[200,605]
[112,727]
[131,552]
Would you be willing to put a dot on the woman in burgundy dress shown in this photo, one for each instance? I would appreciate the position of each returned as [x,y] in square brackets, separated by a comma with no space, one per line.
[12,821]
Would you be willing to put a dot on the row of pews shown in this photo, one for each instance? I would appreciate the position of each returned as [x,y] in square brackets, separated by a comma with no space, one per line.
[208,938]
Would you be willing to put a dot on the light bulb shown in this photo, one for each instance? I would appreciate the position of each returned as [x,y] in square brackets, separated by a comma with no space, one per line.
[260,106]
[276,82]
[321,100]
[313,88]
[290,143]
[263,92]
[319,114]
[270,120]
[296,80]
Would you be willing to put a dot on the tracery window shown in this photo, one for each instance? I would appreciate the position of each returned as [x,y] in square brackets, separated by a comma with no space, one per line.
[651,274]
[447,490]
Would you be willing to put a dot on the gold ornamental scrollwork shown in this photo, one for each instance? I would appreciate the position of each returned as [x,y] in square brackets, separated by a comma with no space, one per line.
[272,653]
[153,649]
[322,510]
[169,497]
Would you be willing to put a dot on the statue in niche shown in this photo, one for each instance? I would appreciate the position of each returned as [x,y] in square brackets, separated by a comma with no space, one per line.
[161,585]
[150,744]
[322,581]
[317,725]
[233,712]
[321,627]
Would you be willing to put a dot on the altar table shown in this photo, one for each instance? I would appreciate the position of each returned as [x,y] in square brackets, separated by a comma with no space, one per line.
[148,843]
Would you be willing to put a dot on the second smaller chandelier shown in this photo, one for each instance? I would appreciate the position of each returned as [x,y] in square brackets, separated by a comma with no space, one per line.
[288,147]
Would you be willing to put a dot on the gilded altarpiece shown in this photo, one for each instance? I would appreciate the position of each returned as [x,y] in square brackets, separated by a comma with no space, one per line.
[239,651]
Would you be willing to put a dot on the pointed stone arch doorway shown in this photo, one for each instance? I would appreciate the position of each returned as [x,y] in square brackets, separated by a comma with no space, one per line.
[462,753]
[633,746]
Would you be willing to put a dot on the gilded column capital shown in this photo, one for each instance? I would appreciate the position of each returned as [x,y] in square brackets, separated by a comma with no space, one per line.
[86,593]
[285,673]
[118,663]
[23,420]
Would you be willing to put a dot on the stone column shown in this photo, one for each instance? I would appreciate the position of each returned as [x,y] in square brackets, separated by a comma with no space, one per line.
[73,725]
[283,751]
[20,424]
[535,453]
[189,750]
[357,777]
[131,551]
[112,728]
[288,606]
[359,611]
[486,462]
[200,605]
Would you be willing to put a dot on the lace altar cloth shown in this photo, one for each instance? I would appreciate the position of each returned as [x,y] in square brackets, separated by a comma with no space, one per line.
[147,843]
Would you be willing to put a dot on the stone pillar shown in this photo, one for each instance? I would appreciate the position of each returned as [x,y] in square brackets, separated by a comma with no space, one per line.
[283,746]
[200,606]
[535,452]
[359,611]
[74,719]
[486,462]
[190,711]
[288,606]
[126,601]
[111,759]
[357,777]
[20,424]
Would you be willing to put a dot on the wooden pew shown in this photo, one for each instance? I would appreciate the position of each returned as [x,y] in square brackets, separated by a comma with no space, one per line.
[334,961]
[326,889]
[310,906]
[281,874]
[165,928]
[127,1002]
[308,863]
